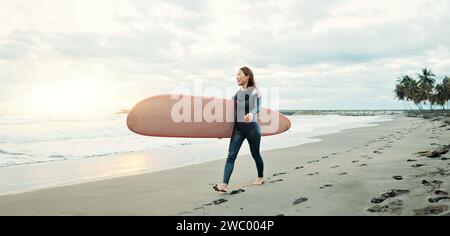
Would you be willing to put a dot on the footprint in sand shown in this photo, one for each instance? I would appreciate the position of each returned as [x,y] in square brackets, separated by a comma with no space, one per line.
[377,152]
[315,173]
[281,173]
[440,192]
[391,206]
[237,191]
[326,186]
[219,201]
[324,157]
[397,177]
[390,194]
[299,200]
[409,160]
[417,165]
[336,166]
[354,161]
[277,180]
[430,210]
[216,202]
[313,161]
[364,164]
[342,173]
[437,199]
[299,167]
[184,212]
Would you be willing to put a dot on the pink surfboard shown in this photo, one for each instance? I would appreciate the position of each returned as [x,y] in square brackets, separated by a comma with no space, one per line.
[179,115]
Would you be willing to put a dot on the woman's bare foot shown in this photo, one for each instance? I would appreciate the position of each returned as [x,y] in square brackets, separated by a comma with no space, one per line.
[258,181]
[221,187]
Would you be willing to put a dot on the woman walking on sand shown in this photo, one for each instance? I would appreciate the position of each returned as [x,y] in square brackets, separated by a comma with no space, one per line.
[247,104]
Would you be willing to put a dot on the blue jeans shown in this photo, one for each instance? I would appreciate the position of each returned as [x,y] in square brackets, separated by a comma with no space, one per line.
[252,132]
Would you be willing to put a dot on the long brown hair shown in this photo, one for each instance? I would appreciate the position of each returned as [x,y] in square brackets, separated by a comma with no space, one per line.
[249,73]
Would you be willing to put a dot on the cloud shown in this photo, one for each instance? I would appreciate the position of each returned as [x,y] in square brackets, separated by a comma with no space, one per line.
[313,50]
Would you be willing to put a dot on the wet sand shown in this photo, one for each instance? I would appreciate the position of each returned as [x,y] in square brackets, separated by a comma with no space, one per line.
[400,167]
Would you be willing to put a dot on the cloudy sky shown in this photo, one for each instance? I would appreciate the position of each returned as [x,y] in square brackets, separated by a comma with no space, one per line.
[103,55]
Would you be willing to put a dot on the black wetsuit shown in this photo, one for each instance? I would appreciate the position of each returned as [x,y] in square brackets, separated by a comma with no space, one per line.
[245,102]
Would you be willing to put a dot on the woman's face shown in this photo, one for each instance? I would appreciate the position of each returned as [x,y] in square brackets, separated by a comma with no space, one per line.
[241,78]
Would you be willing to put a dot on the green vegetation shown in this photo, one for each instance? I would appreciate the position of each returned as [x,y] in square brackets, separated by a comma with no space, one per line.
[421,91]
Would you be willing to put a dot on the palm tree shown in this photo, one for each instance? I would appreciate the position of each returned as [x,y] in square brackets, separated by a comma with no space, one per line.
[400,90]
[426,83]
[423,90]
[414,93]
[438,97]
[446,89]
[408,90]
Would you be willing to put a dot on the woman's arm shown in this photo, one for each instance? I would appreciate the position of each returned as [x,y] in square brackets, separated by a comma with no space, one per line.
[255,102]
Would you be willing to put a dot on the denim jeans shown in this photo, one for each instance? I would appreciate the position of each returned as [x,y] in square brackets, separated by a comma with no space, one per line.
[252,132]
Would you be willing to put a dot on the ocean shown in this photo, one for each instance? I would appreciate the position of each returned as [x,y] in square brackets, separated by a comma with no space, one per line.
[79,149]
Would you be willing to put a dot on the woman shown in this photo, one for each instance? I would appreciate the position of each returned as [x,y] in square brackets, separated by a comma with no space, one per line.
[247,102]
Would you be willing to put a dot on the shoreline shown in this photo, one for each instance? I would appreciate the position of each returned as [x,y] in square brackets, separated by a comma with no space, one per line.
[34,176]
[307,179]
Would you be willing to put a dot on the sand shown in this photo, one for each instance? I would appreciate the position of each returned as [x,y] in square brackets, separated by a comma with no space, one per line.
[359,171]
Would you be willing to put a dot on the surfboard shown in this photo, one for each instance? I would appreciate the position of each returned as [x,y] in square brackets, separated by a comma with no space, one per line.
[181,115]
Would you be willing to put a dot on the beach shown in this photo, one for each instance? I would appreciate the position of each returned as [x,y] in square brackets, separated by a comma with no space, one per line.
[387,169]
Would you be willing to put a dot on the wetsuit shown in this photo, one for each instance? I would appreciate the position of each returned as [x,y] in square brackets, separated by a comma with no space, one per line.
[245,102]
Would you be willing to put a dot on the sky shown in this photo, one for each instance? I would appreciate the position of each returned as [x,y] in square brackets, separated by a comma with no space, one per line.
[61,56]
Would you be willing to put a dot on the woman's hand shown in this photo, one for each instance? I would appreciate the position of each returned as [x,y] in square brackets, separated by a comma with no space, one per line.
[248,118]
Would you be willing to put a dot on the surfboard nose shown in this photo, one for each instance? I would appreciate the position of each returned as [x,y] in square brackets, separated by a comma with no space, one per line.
[131,122]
